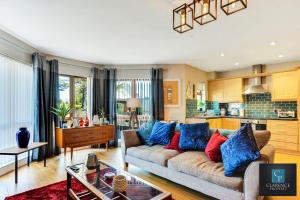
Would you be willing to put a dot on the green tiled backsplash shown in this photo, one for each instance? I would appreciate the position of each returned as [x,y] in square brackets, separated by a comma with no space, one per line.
[191,108]
[261,106]
[258,106]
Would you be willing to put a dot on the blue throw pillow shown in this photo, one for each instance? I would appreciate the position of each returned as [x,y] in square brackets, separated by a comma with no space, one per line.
[194,136]
[144,132]
[162,133]
[238,152]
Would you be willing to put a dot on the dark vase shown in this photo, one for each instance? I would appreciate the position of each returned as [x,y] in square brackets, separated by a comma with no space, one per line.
[22,137]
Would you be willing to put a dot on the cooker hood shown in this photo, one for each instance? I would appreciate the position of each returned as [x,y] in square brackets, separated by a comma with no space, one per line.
[256,82]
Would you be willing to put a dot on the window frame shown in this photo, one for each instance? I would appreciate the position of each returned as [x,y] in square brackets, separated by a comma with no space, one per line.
[72,91]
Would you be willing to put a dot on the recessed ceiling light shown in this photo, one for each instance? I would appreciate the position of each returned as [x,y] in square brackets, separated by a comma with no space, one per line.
[236,63]
[272,43]
[280,56]
[222,54]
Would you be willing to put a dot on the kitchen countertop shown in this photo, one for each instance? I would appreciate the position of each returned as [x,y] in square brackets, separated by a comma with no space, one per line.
[238,117]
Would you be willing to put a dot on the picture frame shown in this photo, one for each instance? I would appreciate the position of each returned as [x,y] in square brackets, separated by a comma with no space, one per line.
[172,96]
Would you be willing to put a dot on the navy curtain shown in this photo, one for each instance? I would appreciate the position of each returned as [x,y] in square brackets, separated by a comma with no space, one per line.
[45,96]
[157,94]
[104,95]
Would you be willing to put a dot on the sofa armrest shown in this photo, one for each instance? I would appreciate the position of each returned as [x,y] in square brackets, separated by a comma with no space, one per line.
[251,177]
[129,138]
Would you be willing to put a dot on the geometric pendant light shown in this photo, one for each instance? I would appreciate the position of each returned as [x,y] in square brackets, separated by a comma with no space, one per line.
[183,18]
[232,6]
[205,11]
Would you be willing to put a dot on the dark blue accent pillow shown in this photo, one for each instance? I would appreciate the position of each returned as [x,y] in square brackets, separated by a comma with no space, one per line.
[144,132]
[162,133]
[194,136]
[238,152]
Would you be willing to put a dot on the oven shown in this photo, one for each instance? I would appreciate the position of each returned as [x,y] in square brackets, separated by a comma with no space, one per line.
[257,124]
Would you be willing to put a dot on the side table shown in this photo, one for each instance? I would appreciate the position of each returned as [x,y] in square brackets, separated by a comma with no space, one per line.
[15,151]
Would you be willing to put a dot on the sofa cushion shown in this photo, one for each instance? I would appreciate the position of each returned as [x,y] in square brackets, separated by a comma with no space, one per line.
[212,149]
[238,152]
[262,138]
[156,154]
[174,143]
[194,136]
[144,132]
[197,164]
[162,133]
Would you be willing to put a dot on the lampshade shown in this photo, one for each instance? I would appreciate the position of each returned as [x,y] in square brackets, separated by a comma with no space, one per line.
[133,103]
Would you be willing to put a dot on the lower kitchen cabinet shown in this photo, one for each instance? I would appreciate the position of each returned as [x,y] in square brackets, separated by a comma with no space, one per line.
[231,124]
[215,123]
[284,134]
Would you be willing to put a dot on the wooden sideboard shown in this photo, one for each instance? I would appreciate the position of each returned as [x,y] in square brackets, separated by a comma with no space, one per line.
[78,137]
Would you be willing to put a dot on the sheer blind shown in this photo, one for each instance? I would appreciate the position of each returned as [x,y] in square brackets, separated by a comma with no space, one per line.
[16,103]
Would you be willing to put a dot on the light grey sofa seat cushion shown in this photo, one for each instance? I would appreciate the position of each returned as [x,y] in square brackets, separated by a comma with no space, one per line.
[156,154]
[197,164]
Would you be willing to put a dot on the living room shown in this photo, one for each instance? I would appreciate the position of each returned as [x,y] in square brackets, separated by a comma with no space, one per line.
[169,99]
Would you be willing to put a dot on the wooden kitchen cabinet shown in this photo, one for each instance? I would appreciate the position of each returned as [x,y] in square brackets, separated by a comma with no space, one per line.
[215,90]
[284,134]
[226,91]
[231,124]
[215,123]
[285,86]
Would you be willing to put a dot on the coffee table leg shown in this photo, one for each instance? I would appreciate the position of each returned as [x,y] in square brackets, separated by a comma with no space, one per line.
[28,159]
[16,169]
[69,178]
[45,155]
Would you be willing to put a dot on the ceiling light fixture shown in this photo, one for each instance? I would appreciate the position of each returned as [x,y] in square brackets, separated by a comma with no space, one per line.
[183,18]
[236,64]
[272,43]
[203,12]
[233,6]
[280,56]
[222,54]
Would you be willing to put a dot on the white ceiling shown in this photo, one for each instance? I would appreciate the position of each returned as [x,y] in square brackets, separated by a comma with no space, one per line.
[140,32]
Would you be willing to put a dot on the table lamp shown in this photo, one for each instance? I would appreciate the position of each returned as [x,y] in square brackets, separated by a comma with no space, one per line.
[133,104]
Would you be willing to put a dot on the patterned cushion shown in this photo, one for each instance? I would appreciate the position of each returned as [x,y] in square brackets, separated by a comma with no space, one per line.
[144,132]
[194,136]
[162,133]
[238,151]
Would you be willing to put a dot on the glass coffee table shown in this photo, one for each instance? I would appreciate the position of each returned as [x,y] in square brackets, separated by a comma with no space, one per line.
[97,187]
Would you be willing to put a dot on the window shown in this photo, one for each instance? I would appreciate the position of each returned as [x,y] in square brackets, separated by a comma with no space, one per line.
[16,105]
[201,97]
[133,88]
[73,91]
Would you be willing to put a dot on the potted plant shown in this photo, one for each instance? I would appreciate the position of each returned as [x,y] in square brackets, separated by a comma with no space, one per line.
[101,115]
[61,112]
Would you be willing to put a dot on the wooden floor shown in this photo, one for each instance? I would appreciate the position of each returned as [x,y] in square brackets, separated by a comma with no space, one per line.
[37,176]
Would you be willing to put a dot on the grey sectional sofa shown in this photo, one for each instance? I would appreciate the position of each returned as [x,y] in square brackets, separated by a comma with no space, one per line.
[194,170]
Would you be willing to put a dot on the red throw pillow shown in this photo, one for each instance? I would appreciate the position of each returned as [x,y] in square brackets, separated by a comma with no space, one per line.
[174,143]
[212,149]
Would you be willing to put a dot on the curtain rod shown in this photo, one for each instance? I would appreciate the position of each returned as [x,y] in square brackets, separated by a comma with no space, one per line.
[136,69]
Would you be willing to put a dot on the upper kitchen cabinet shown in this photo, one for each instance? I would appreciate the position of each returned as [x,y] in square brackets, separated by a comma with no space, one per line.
[285,86]
[226,91]
[215,90]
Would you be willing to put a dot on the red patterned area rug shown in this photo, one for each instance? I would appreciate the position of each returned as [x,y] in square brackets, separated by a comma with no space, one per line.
[55,191]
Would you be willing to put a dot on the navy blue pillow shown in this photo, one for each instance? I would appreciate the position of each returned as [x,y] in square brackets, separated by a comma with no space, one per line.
[162,133]
[238,152]
[194,136]
[144,132]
